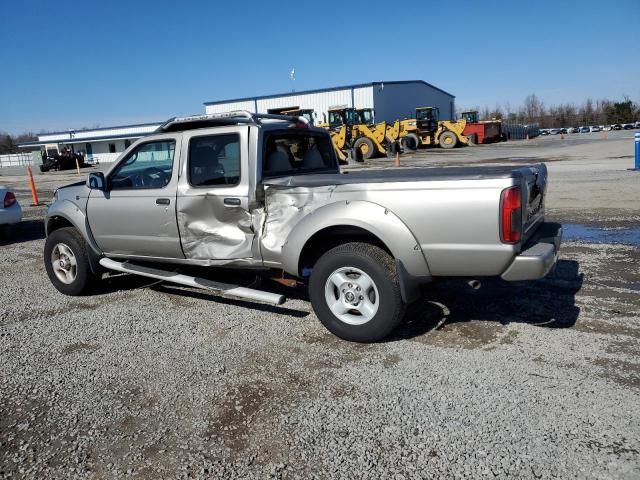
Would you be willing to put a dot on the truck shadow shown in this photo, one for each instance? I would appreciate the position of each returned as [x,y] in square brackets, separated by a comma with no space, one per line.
[212,297]
[549,302]
[25,231]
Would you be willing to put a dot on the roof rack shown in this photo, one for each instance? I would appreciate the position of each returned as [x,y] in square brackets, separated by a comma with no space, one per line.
[226,118]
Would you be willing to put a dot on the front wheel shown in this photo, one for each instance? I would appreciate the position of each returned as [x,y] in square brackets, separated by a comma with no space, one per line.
[365,147]
[355,292]
[411,142]
[66,260]
[448,140]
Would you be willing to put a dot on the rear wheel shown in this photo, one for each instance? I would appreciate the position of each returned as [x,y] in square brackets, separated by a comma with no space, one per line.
[365,147]
[355,292]
[411,142]
[66,260]
[448,140]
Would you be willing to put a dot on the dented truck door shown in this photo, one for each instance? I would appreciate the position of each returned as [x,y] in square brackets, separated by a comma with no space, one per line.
[213,195]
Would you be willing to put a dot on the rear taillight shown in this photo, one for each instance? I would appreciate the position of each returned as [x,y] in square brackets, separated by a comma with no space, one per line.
[511,215]
[9,199]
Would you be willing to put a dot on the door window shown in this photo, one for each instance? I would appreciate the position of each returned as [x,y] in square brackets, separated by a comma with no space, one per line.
[214,160]
[148,166]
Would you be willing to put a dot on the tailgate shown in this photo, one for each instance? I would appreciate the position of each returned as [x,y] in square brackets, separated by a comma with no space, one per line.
[534,187]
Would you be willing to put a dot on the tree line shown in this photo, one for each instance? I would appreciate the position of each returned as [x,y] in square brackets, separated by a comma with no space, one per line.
[9,143]
[590,112]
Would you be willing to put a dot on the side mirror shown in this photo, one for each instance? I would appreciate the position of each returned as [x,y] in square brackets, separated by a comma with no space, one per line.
[96,181]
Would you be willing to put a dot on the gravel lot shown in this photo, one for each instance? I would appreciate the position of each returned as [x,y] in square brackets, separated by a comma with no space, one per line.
[524,380]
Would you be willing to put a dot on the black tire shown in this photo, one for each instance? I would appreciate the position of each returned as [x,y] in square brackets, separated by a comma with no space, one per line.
[411,142]
[84,278]
[365,147]
[448,140]
[381,270]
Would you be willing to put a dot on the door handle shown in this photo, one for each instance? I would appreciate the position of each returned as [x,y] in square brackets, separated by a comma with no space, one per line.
[163,201]
[232,202]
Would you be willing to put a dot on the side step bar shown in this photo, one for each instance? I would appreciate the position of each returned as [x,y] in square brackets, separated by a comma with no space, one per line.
[224,288]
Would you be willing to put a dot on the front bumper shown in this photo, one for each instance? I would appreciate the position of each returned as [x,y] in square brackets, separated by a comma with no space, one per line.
[538,256]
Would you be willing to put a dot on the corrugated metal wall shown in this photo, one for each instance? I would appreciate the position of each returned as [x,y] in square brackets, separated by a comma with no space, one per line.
[391,101]
[399,100]
[320,102]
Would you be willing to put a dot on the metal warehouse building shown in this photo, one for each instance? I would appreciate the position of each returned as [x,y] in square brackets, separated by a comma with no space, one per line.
[390,100]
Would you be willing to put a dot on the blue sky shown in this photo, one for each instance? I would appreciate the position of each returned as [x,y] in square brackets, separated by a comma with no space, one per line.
[74,64]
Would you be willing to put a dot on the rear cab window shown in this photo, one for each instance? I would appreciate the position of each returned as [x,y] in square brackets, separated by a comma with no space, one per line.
[293,152]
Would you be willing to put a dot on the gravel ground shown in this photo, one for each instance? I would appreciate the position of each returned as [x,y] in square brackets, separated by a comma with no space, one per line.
[524,380]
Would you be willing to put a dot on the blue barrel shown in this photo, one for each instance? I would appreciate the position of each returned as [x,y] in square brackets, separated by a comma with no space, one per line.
[637,151]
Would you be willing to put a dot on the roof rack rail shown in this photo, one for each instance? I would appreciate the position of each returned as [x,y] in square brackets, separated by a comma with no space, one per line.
[225,118]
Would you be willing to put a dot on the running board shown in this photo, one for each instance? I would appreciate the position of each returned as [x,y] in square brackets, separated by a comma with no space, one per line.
[224,288]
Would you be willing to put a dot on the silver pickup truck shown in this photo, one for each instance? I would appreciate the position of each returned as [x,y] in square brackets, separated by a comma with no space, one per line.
[266,192]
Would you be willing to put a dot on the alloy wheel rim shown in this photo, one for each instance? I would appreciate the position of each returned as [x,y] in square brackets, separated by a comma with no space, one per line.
[64,263]
[352,296]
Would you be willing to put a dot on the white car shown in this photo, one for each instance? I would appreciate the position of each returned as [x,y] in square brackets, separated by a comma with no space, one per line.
[595,128]
[10,211]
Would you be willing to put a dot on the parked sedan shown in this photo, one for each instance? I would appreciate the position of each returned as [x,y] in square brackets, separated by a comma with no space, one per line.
[628,126]
[595,128]
[617,126]
[10,211]
[584,130]
[554,131]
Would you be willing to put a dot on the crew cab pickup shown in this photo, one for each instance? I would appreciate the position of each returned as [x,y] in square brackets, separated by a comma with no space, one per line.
[266,192]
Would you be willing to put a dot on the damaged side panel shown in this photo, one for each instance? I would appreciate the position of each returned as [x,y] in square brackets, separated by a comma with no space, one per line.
[285,207]
[211,230]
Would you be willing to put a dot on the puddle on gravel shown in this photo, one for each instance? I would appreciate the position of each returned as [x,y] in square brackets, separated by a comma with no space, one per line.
[623,235]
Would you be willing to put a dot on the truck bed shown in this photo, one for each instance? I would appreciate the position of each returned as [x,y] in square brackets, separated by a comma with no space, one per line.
[403,175]
[453,212]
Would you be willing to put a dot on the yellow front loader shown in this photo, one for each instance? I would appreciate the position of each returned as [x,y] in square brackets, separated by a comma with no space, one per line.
[349,133]
[427,130]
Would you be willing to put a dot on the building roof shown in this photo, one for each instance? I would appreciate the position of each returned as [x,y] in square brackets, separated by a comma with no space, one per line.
[94,134]
[322,90]
[135,125]
[81,140]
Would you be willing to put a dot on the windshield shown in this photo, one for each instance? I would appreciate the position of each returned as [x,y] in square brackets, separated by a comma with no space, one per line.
[424,114]
[296,151]
[365,116]
[339,117]
[470,117]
